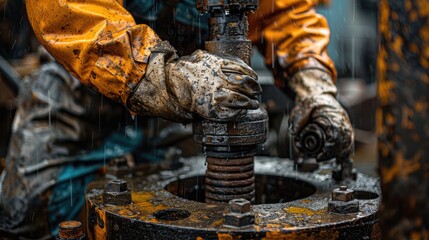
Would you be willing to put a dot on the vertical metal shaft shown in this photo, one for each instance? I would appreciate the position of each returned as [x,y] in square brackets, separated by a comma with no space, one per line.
[228,179]
[230,146]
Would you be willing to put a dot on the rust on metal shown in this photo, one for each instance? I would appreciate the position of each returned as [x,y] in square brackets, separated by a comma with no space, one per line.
[297,209]
[70,230]
[402,118]
[228,179]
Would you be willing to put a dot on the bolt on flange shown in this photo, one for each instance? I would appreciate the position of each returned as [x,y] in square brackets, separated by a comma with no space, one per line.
[70,230]
[117,193]
[344,171]
[239,214]
[343,201]
[117,168]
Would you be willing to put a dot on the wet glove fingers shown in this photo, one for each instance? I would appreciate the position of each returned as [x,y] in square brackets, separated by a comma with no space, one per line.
[244,84]
[231,99]
[303,111]
[226,113]
[238,67]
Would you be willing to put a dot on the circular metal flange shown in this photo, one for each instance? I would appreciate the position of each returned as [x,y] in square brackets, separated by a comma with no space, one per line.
[290,205]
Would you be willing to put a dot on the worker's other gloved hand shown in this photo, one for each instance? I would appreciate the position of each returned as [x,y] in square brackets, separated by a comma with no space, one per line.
[316,103]
[211,86]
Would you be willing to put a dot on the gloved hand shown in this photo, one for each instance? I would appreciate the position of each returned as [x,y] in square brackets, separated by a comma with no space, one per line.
[316,103]
[211,86]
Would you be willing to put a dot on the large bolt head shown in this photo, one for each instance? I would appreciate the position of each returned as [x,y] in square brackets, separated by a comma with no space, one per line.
[239,205]
[343,194]
[116,186]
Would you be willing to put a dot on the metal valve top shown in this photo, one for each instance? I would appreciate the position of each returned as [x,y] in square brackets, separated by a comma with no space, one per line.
[210,6]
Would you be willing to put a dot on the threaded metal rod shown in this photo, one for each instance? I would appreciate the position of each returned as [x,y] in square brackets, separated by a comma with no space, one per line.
[230,173]
[228,179]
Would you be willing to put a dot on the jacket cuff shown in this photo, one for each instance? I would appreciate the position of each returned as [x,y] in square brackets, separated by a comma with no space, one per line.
[310,63]
[151,97]
[149,100]
[311,82]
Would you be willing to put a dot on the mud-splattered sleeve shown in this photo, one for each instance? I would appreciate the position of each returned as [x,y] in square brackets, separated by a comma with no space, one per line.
[292,36]
[98,41]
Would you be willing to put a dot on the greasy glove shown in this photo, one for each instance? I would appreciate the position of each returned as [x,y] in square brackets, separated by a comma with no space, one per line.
[209,85]
[316,103]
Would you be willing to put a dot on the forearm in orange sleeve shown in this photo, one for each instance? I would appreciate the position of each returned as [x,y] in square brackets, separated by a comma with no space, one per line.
[97,41]
[293,35]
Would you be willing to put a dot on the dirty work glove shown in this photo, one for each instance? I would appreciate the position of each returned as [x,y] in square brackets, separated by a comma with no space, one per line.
[214,87]
[316,103]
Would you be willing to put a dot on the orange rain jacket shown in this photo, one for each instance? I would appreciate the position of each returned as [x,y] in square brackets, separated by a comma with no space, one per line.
[99,42]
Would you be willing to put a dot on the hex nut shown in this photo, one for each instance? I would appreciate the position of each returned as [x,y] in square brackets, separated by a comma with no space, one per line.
[117,186]
[118,167]
[339,174]
[239,205]
[343,207]
[117,193]
[239,214]
[343,194]
[237,220]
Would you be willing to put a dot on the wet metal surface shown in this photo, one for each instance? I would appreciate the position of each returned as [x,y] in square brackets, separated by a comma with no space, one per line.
[288,214]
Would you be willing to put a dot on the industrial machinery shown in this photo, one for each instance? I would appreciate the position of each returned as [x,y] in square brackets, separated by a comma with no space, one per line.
[228,193]
[288,205]
[230,147]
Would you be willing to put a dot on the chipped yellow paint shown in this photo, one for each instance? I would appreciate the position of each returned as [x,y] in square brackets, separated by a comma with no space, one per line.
[141,204]
[100,233]
[390,119]
[408,6]
[322,234]
[274,227]
[397,46]
[413,16]
[302,211]
[217,223]
[384,12]
[225,236]
[127,212]
[385,86]
[423,7]
[401,167]
[421,106]
[141,197]
[385,94]
[306,201]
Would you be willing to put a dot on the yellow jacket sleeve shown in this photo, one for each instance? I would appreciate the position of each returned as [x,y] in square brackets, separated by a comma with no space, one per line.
[292,35]
[97,41]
